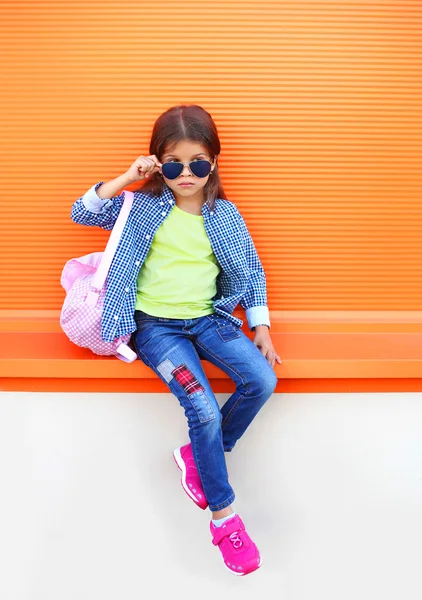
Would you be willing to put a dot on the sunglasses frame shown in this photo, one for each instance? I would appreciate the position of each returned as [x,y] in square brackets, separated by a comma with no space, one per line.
[177,162]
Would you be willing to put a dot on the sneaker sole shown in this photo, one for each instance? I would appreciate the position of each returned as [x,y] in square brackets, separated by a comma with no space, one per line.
[180,463]
[243,574]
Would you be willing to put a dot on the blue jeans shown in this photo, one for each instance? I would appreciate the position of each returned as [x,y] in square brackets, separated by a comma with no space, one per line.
[172,348]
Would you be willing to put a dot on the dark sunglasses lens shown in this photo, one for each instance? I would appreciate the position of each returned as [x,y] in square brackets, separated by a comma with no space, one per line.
[200,168]
[172,170]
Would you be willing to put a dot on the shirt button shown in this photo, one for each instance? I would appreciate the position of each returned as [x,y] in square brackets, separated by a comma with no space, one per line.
[163,214]
[170,201]
[212,212]
[138,262]
[147,236]
[116,317]
[126,290]
[161,203]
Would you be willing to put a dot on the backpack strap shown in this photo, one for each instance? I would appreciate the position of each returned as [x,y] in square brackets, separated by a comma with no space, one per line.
[113,241]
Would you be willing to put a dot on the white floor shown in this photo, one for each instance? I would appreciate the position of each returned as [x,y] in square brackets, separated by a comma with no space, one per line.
[329,486]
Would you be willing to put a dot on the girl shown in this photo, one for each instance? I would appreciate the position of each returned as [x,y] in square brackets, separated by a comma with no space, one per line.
[184,262]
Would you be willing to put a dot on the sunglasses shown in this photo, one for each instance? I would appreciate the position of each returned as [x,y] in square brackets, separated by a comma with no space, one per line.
[199,168]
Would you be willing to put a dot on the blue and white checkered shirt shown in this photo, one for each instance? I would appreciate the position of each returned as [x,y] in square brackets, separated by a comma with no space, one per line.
[241,279]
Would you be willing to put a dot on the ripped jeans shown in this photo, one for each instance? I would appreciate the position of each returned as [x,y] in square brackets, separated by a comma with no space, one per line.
[173,349]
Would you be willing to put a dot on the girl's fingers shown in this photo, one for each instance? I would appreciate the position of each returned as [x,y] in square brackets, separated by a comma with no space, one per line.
[149,167]
[152,167]
[275,359]
[142,165]
[147,170]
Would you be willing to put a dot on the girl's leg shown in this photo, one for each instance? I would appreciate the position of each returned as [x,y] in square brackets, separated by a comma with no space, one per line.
[168,348]
[165,345]
[226,346]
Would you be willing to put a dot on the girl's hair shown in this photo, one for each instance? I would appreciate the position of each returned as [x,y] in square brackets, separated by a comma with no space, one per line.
[185,122]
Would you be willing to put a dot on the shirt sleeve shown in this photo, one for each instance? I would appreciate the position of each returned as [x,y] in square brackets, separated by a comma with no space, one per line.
[90,209]
[254,301]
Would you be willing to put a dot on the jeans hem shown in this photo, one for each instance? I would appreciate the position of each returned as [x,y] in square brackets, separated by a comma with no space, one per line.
[223,504]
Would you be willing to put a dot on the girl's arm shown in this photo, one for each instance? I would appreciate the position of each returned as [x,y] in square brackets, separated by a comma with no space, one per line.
[99,205]
[254,301]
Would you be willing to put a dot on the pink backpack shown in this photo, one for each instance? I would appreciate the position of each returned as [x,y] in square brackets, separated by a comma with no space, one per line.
[84,281]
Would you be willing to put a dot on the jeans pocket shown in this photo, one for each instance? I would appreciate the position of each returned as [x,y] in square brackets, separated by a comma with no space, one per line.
[228,332]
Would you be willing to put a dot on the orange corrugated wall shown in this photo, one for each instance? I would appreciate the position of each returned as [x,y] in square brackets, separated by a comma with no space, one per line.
[319,109]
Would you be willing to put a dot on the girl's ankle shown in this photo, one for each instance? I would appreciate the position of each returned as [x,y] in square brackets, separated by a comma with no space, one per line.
[225,512]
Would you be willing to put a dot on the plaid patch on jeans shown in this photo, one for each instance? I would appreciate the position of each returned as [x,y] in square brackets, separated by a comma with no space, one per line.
[187,380]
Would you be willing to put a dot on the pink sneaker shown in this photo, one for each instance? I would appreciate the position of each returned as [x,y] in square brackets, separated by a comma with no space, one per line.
[191,482]
[240,554]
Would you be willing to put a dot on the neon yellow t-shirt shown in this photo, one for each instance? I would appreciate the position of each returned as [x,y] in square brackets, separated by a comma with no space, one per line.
[178,277]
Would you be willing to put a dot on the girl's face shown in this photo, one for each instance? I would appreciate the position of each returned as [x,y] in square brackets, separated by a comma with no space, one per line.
[187,185]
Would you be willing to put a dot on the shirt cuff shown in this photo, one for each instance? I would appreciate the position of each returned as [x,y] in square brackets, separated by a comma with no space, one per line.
[258,315]
[93,202]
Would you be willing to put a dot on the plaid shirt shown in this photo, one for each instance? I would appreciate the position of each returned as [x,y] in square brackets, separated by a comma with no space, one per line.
[241,279]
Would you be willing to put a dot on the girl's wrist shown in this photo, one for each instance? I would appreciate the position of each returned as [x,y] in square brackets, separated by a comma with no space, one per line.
[128,180]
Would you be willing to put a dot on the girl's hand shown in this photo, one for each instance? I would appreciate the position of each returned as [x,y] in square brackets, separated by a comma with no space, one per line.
[143,167]
[262,339]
